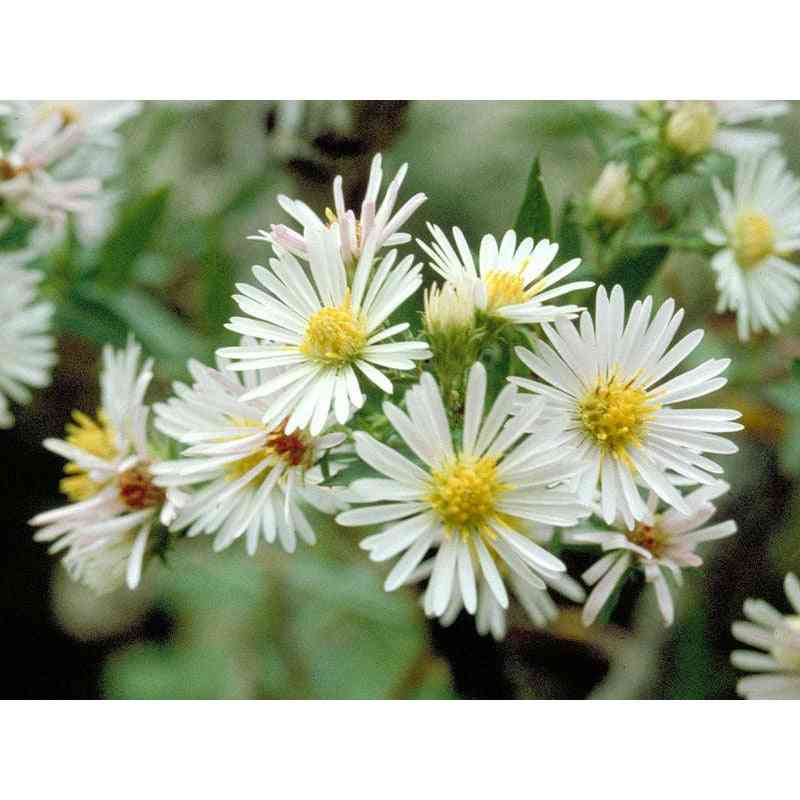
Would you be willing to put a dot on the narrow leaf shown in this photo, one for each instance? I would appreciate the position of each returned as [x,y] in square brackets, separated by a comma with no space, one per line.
[534,218]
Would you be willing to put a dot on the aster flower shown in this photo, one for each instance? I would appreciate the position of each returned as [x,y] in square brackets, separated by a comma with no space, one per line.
[777,638]
[323,329]
[472,502]
[379,223]
[114,503]
[662,541]
[95,121]
[508,283]
[27,185]
[245,478]
[693,127]
[490,616]
[759,227]
[26,347]
[607,378]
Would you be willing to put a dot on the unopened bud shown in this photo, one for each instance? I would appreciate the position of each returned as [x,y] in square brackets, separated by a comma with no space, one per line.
[449,310]
[691,128]
[613,198]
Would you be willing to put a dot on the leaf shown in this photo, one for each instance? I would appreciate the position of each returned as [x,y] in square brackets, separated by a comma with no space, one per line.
[217,281]
[162,332]
[132,234]
[569,233]
[633,272]
[15,236]
[534,218]
[796,370]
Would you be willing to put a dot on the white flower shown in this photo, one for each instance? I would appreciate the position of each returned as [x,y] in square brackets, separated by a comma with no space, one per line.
[664,541]
[449,310]
[95,121]
[106,527]
[323,330]
[376,223]
[508,281]
[778,635]
[251,475]
[693,127]
[26,346]
[472,502]
[759,228]
[607,378]
[490,616]
[26,183]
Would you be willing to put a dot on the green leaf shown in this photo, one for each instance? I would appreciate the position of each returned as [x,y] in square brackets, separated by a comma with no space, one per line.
[132,234]
[634,271]
[569,233]
[534,218]
[796,370]
[218,286]
[162,332]
[15,236]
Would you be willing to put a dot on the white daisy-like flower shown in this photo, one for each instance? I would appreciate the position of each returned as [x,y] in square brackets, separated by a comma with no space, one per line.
[95,121]
[114,503]
[27,185]
[776,637]
[662,541]
[472,501]
[490,616]
[382,224]
[245,478]
[695,126]
[27,350]
[607,377]
[323,330]
[759,227]
[509,282]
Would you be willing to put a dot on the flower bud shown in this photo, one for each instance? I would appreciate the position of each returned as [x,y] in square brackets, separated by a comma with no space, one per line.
[691,128]
[613,198]
[449,310]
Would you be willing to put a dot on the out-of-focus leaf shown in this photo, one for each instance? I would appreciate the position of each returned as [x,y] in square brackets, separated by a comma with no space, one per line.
[569,233]
[130,237]
[796,370]
[16,235]
[249,191]
[161,331]
[790,448]
[85,317]
[784,395]
[217,281]
[153,269]
[635,271]
[534,218]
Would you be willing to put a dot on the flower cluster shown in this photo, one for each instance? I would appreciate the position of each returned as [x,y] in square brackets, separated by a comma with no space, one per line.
[478,490]
[757,227]
[53,159]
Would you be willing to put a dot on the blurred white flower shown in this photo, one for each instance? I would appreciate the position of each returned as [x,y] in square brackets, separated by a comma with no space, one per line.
[759,228]
[106,527]
[27,350]
[777,637]
[473,504]
[379,224]
[508,282]
[252,477]
[661,541]
[323,329]
[606,378]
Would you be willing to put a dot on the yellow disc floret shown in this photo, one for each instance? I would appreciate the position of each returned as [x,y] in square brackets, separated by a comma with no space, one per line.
[96,438]
[505,288]
[293,448]
[753,238]
[335,335]
[651,537]
[614,414]
[465,493]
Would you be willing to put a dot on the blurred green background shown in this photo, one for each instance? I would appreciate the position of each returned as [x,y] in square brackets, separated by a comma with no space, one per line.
[199,178]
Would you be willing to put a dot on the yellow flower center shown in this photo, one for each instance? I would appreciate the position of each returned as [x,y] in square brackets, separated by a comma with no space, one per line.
[614,414]
[505,288]
[650,537]
[753,238]
[96,438]
[465,494]
[293,448]
[691,128]
[787,654]
[335,336]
